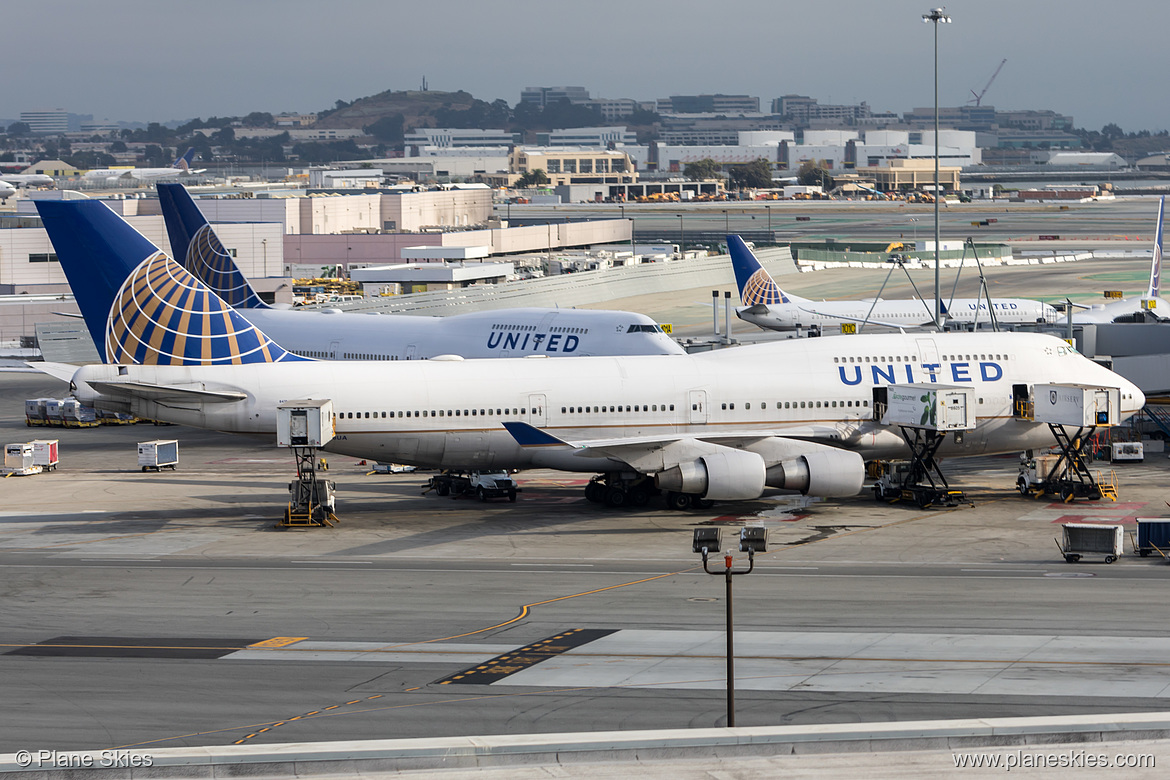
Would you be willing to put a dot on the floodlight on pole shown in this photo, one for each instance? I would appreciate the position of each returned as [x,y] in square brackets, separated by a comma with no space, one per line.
[938,16]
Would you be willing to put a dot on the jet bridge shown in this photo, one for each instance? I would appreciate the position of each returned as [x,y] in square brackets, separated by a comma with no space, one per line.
[1073,413]
[304,427]
[924,414]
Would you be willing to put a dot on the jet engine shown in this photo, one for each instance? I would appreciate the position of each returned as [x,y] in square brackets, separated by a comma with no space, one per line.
[822,472]
[724,475]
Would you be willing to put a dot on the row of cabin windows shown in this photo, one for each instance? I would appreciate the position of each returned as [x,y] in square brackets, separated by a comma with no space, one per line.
[914,358]
[430,413]
[367,356]
[797,405]
[602,409]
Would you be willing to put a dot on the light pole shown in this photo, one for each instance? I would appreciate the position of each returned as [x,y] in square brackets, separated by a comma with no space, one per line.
[937,16]
[751,540]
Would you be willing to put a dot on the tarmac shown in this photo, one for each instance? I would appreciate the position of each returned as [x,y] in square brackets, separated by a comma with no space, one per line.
[158,611]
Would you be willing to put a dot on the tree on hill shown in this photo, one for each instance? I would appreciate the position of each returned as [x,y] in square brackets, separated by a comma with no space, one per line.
[388,129]
[703,169]
[19,128]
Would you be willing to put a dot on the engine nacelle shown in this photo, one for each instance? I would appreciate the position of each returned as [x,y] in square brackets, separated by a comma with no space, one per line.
[824,472]
[725,475]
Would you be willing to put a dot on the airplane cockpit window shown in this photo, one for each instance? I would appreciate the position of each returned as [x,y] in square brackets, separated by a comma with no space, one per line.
[644,329]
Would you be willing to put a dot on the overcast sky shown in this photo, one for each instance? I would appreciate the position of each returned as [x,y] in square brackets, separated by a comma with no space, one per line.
[154,60]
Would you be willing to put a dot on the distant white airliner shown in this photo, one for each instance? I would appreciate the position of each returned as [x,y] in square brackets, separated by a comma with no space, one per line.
[723,425]
[767,306]
[1137,309]
[6,190]
[30,179]
[180,167]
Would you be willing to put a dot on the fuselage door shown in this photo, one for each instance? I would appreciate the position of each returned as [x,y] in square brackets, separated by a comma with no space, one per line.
[928,356]
[334,350]
[698,411]
[537,410]
[410,351]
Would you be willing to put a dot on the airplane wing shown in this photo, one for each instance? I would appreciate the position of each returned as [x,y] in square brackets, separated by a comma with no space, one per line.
[167,393]
[635,450]
[721,464]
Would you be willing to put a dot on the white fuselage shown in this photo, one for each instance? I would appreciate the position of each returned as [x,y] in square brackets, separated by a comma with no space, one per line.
[449,413]
[1124,308]
[910,313]
[334,335]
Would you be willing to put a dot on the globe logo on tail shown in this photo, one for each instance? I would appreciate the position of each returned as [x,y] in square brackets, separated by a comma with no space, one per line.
[163,315]
[760,288]
[208,260]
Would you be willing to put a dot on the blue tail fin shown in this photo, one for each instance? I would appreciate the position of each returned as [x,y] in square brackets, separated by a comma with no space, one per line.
[1156,264]
[139,305]
[756,285]
[183,162]
[195,245]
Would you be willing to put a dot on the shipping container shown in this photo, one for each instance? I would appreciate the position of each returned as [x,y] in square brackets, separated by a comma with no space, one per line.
[18,459]
[1079,405]
[933,407]
[306,423]
[1153,533]
[45,453]
[158,454]
[1082,539]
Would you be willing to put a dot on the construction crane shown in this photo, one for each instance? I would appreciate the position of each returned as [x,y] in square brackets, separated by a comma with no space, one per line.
[979,95]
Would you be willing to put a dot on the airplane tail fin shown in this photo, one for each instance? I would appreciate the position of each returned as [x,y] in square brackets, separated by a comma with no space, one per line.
[139,305]
[196,246]
[755,284]
[183,162]
[1156,263]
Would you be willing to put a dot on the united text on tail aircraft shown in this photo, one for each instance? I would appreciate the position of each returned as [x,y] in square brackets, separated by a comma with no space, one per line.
[722,425]
[180,167]
[1140,308]
[97,272]
[766,305]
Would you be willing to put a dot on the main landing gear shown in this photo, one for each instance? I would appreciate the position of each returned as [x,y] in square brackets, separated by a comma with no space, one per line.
[616,490]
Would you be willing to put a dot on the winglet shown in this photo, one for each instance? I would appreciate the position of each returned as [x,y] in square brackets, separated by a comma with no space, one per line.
[755,284]
[1156,264]
[196,246]
[528,436]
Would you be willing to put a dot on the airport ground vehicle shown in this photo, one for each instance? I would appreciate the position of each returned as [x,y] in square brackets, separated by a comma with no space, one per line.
[902,480]
[481,484]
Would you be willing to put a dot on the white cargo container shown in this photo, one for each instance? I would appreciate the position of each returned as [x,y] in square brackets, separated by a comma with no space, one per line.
[1127,452]
[18,459]
[158,454]
[1081,539]
[932,407]
[306,423]
[1080,405]
[45,453]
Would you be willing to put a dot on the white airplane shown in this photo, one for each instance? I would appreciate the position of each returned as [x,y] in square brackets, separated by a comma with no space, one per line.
[723,425]
[30,179]
[6,190]
[180,167]
[96,276]
[1138,309]
[769,307]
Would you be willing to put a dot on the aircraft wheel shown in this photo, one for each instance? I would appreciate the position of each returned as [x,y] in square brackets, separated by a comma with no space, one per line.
[615,497]
[595,492]
[678,501]
[638,496]
[698,502]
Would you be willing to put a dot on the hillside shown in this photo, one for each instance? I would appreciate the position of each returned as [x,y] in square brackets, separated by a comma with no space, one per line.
[417,108]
